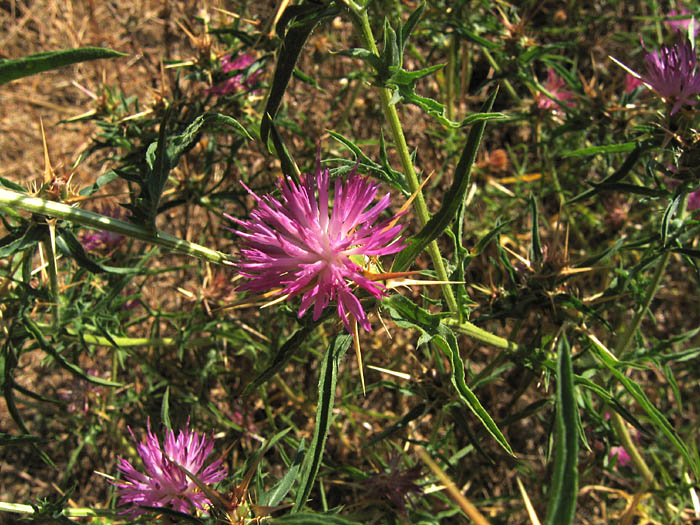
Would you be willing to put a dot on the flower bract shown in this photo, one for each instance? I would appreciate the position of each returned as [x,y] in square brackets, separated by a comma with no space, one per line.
[164,484]
[301,245]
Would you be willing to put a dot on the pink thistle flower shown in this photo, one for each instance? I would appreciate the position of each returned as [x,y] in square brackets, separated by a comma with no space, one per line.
[297,244]
[237,82]
[164,484]
[554,85]
[621,455]
[682,26]
[672,73]
[694,200]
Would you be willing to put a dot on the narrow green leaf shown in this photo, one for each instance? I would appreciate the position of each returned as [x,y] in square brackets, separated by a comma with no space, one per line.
[30,65]
[10,440]
[71,367]
[535,243]
[668,216]
[165,409]
[564,488]
[285,353]
[287,162]
[595,150]
[11,185]
[407,28]
[654,414]
[309,518]
[406,313]
[69,246]
[618,175]
[453,197]
[277,493]
[294,27]
[326,397]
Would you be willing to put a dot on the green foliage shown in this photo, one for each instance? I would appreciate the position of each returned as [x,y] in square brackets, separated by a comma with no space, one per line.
[12,69]
[558,205]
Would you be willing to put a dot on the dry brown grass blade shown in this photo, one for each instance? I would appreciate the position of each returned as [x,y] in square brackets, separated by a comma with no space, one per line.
[358,353]
[528,504]
[459,498]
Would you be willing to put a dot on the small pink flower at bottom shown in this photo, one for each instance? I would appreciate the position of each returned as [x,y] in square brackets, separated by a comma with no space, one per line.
[298,244]
[164,484]
[694,200]
[554,85]
[672,73]
[620,454]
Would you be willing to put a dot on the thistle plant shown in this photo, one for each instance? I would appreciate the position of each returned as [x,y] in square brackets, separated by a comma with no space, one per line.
[169,473]
[288,173]
[301,245]
[672,72]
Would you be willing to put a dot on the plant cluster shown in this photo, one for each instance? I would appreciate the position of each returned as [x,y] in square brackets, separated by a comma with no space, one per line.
[367,262]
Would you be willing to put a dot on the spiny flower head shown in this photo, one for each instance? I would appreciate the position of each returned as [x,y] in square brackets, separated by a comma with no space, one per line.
[673,74]
[555,86]
[299,244]
[164,484]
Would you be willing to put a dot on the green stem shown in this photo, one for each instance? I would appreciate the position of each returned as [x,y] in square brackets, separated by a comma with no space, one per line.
[50,248]
[392,117]
[19,201]
[506,83]
[450,77]
[480,334]
[20,508]
[626,440]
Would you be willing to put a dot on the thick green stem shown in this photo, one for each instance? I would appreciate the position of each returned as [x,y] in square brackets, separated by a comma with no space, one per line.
[480,334]
[50,248]
[392,118]
[19,201]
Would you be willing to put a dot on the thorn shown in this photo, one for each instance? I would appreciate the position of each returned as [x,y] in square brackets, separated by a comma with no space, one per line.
[49,174]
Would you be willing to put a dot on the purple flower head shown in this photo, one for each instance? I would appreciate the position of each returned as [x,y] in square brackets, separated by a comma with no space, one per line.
[164,484]
[673,74]
[694,200]
[298,244]
[103,239]
[621,455]
[682,25]
[555,86]
[239,81]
